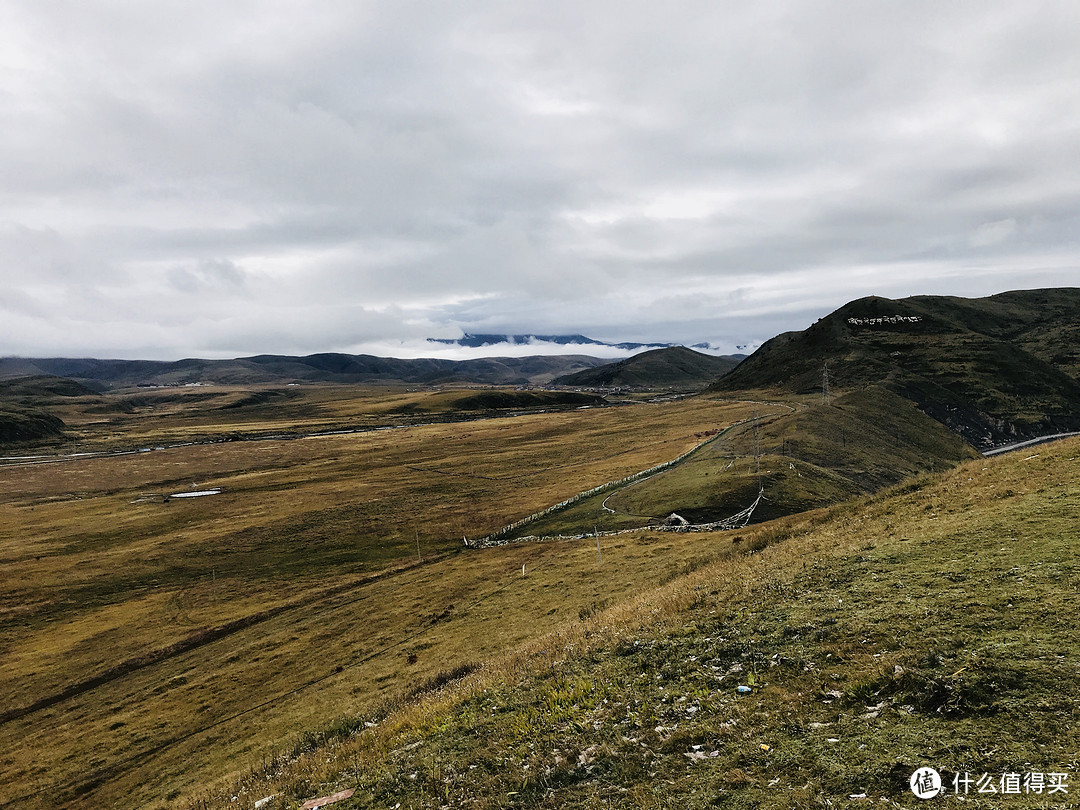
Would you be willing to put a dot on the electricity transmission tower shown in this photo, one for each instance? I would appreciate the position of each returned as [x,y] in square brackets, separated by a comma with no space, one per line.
[825,383]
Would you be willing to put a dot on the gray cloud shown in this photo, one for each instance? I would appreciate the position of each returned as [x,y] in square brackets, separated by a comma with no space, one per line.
[183,178]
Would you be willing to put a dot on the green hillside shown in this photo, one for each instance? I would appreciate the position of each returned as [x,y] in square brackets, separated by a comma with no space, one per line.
[993,369]
[676,367]
[802,458]
[820,665]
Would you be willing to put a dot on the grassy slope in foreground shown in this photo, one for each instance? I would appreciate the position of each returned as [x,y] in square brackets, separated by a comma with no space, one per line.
[932,625]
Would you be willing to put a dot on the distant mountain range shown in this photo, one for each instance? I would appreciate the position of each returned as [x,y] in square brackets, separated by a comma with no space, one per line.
[993,369]
[480,341]
[332,367]
[996,369]
[279,369]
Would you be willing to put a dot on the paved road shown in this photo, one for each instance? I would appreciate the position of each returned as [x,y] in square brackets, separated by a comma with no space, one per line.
[1030,442]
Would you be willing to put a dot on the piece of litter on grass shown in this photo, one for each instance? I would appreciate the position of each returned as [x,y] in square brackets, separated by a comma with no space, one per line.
[742,690]
[340,796]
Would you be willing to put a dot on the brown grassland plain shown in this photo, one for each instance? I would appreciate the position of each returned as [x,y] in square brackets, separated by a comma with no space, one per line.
[150,648]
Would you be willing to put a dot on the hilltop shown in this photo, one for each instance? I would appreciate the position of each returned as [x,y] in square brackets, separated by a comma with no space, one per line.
[24,424]
[22,420]
[36,389]
[676,367]
[993,369]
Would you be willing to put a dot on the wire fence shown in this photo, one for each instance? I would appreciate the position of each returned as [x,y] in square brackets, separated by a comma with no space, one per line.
[504,535]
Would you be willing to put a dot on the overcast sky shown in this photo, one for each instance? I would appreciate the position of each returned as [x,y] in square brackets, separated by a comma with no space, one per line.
[225,178]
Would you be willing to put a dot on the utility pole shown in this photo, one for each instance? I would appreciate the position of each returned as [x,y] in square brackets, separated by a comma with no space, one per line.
[757,447]
[825,383]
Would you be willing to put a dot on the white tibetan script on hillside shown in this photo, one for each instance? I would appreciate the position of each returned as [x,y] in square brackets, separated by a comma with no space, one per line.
[885,319]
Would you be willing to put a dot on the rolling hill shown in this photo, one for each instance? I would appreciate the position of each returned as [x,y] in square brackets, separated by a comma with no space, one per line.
[41,388]
[24,424]
[993,369]
[22,418]
[675,367]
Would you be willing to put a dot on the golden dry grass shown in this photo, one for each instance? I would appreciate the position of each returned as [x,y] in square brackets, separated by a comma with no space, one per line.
[100,571]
